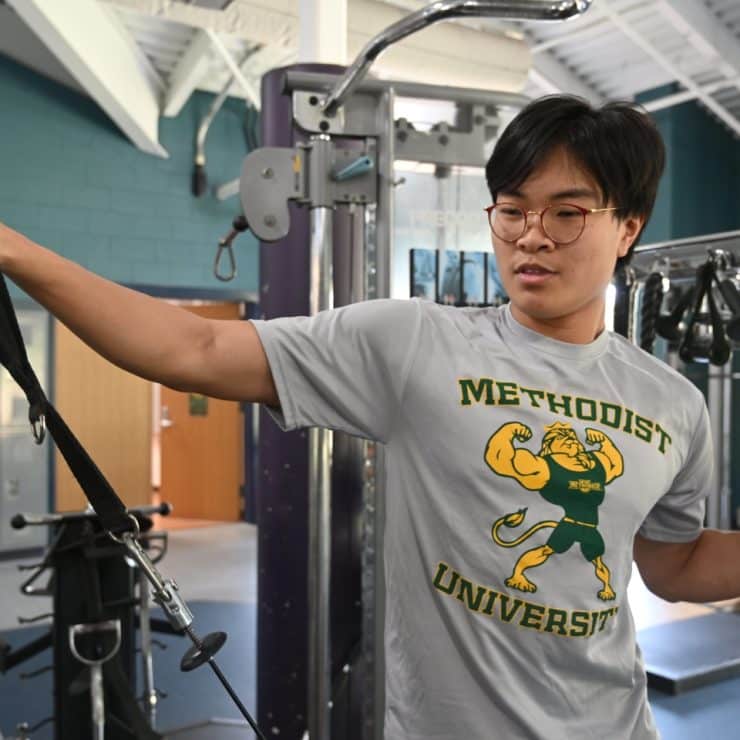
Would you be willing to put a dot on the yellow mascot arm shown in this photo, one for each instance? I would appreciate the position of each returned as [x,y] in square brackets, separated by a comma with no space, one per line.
[504,459]
[609,456]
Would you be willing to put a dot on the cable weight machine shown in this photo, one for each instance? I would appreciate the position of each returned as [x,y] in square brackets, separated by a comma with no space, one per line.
[95,615]
[684,304]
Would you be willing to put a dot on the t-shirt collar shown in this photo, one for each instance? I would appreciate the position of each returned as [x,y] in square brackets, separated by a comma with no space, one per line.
[550,346]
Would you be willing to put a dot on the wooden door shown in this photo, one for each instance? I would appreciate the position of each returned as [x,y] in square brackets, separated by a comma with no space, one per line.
[109,411]
[202,447]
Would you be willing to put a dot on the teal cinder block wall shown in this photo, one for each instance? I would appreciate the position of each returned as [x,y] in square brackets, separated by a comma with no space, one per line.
[700,191]
[72,182]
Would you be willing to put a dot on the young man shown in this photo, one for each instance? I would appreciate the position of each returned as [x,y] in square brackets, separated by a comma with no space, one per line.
[500,425]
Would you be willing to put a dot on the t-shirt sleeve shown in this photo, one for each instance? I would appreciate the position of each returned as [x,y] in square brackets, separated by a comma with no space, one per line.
[678,516]
[343,369]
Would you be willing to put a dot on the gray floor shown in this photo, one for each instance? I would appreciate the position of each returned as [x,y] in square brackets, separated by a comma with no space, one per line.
[216,563]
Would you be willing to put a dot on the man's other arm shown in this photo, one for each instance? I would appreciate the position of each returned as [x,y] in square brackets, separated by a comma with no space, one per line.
[143,335]
[705,569]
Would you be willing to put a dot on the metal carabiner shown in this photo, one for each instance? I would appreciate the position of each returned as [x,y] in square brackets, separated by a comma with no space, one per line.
[225,245]
[239,224]
[39,429]
[133,533]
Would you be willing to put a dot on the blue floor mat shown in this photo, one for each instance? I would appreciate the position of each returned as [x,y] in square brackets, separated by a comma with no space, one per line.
[708,712]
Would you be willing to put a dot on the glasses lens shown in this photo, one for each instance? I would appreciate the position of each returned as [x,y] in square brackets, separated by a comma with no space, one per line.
[563,223]
[507,221]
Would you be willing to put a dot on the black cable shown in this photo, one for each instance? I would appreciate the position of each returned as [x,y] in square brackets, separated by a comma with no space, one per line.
[652,299]
[693,348]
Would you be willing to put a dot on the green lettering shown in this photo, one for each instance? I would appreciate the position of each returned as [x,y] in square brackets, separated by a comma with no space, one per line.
[603,616]
[468,387]
[555,405]
[507,394]
[643,429]
[663,437]
[532,393]
[465,594]
[581,403]
[617,418]
[557,618]
[594,618]
[580,624]
[442,568]
[532,616]
[628,423]
[508,614]
[488,609]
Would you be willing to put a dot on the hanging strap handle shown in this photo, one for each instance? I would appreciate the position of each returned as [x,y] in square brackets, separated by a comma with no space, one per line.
[41,413]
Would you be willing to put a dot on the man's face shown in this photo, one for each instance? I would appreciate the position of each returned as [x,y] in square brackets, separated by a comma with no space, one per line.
[562,292]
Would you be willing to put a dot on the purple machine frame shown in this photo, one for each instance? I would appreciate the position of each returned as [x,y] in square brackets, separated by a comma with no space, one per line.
[282,493]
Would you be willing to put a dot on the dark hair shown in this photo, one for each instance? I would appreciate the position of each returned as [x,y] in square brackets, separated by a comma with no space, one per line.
[618,145]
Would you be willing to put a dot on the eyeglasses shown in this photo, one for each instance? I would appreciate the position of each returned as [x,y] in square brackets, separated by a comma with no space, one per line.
[561,222]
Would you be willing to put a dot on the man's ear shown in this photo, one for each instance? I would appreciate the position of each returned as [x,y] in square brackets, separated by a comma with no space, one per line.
[630,228]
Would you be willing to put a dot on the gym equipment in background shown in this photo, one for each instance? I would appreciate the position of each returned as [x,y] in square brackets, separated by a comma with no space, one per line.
[466,280]
[94,620]
[698,325]
[116,523]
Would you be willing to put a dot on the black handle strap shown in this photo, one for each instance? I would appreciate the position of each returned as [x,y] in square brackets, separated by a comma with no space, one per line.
[96,488]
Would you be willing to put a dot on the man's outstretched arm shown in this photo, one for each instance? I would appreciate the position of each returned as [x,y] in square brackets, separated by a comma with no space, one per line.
[141,334]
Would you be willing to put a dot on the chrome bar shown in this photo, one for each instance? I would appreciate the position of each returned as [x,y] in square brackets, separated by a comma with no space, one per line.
[380,233]
[719,401]
[690,242]
[542,10]
[147,663]
[322,82]
[319,503]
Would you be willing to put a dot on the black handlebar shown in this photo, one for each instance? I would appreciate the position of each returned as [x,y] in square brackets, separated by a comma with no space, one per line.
[19,521]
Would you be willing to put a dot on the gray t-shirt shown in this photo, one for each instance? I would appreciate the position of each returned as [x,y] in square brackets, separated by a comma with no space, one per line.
[519,469]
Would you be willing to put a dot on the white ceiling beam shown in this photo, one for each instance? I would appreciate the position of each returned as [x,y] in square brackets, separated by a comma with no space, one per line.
[552,76]
[261,22]
[577,34]
[704,30]
[189,71]
[247,87]
[639,40]
[104,59]
[684,96]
